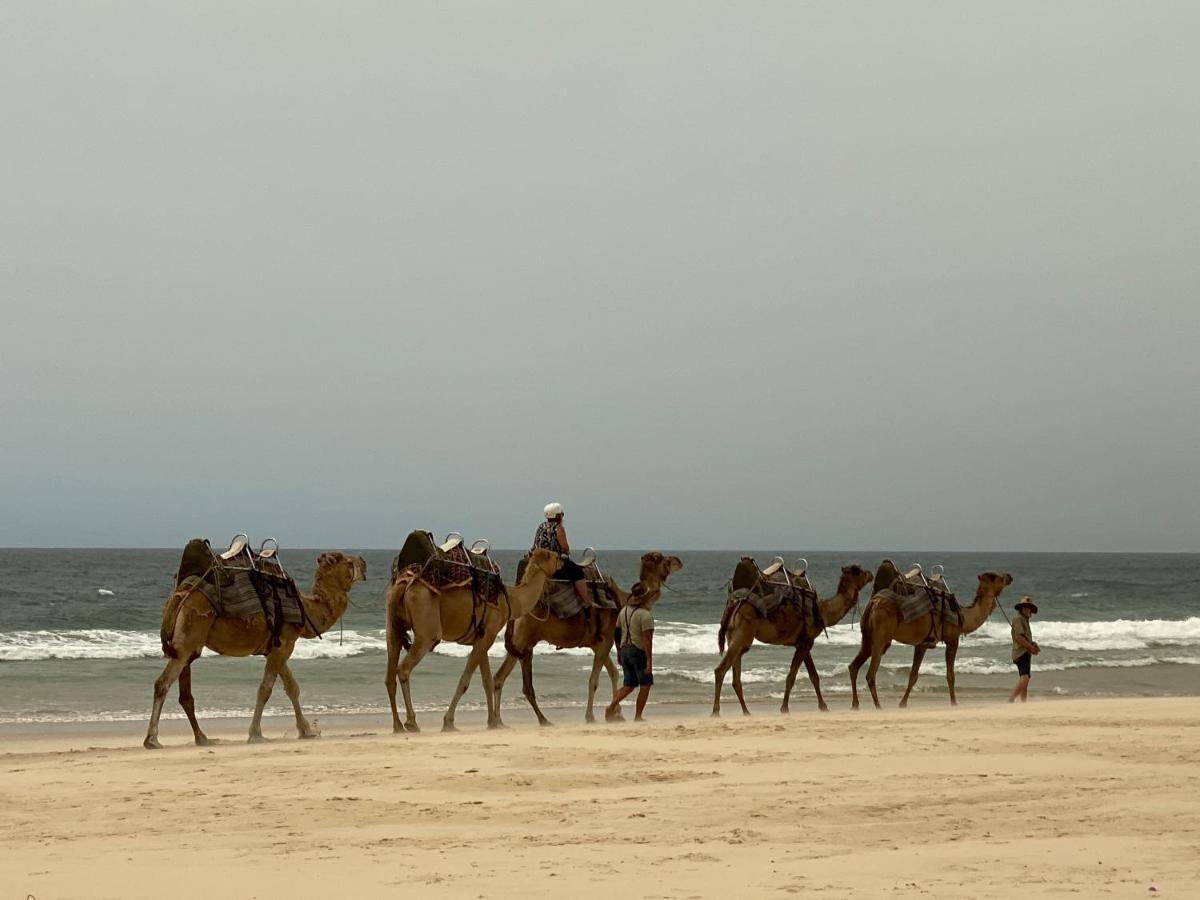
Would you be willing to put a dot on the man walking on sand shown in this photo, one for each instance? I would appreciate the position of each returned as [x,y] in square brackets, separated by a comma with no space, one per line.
[635,650]
[1024,647]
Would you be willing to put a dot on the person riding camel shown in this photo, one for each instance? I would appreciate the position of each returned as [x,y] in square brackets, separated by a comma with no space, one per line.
[551,535]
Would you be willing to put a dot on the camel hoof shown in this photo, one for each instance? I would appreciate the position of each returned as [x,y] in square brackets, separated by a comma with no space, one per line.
[256,739]
[904,704]
[496,726]
[151,743]
[745,712]
[823,707]
[412,727]
[448,726]
[309,735]
[783,710]
[590,718]
[714,715]
[545,723]
[204,740]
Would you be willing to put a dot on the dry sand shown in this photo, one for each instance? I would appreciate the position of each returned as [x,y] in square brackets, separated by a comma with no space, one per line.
[1092,797]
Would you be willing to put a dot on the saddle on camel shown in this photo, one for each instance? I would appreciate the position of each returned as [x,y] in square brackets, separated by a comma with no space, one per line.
[242,582]
[560,597]
[768,589]
[916,596]
[452,564]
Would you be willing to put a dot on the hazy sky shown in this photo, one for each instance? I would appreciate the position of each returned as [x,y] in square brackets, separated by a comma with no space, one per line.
[798,275]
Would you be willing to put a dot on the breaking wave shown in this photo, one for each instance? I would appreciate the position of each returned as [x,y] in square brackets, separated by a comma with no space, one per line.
[671,639]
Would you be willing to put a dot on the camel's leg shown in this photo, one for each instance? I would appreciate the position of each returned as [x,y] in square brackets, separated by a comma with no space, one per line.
[506,667]
[527,687]
[737,682]
[292,686]
[478,651]
[594,682]
[270,673]
[803,649]
[489,692]
[420,646]
[951,652]
[864,653]
[876,657]
[815,677]
[389,680]
[162,685]
[189,705]
[614,676]
[733,651]
[918,656]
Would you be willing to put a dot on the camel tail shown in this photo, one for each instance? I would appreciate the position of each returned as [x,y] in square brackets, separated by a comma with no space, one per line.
[509,646]
[724,629]
[393,599]
[167,631]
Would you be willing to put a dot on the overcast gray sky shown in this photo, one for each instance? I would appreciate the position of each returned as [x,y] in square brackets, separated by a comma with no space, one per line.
[803,275]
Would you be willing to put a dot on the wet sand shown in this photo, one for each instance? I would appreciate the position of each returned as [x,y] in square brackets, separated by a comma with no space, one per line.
[1097,796]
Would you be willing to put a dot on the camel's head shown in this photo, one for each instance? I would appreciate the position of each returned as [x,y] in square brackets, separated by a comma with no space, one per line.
[991,584]
[855,578]
[547,561]
[655,565]
[341,569]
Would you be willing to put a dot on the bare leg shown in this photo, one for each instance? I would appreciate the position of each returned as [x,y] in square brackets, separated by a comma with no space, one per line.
[815,677]
[614,708]
[918,657]
[737,682]
[477,652]
[292,686]
[951,652]
[189,705]
[640,706]
[1020,690]
[420,646]
[162,685]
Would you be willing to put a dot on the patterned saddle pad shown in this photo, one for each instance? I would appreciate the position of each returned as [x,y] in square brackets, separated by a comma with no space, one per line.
[560,596]
[767,590]
[241,582]
[450,564]
[916,597]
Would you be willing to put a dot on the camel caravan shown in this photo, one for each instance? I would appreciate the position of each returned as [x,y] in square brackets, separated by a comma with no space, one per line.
[242,602]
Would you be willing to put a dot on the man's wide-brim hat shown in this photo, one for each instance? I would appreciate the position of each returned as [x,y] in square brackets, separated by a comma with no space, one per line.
[1027,601]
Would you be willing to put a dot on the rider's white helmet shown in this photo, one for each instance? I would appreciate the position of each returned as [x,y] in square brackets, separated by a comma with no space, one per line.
[553,510]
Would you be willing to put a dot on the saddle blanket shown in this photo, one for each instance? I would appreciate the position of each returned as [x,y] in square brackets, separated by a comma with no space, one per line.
[921,603]
[560,596]
[237,598]
[767,604]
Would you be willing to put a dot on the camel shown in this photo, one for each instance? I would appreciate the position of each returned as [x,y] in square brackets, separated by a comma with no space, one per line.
[786,628]
[434,614]
[881,625]
[523,634]
[190,623]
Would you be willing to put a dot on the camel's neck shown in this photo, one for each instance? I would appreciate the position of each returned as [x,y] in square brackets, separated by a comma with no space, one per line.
[834,609]
[977,613]
[523,597]
[329,600]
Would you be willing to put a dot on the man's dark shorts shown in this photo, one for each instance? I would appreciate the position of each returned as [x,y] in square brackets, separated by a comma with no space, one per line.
[1022,663]
[633,661]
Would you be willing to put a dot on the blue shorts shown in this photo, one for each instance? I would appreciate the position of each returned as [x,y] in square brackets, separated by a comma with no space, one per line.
[633,662]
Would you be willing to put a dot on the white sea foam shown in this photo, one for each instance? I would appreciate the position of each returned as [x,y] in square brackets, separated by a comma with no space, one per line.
[671,639]
[104,592]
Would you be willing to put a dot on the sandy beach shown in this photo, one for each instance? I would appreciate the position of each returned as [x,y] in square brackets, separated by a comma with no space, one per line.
[1096,797]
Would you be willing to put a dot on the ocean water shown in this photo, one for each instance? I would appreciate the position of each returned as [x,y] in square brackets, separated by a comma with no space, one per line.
[79,637]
